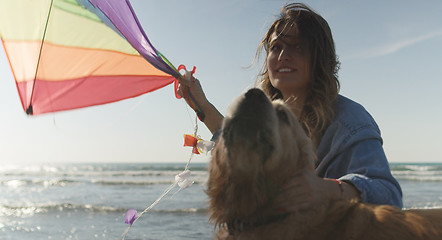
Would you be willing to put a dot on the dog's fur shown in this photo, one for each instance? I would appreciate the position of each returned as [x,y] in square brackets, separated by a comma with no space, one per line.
[261,145]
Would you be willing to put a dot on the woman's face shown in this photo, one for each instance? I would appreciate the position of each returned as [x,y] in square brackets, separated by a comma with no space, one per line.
[288,64]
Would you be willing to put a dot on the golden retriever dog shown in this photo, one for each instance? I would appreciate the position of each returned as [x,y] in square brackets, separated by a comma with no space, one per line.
[261,145]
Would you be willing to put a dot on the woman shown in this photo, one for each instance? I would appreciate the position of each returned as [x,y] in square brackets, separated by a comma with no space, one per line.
[301,68]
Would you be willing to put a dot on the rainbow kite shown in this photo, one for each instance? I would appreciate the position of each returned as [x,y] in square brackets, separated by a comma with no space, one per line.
[68,54]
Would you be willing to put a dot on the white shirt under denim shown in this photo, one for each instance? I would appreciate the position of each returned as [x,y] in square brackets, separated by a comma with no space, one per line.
[351,150]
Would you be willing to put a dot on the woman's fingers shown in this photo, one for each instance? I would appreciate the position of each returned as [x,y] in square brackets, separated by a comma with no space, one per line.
[184,79]
[186,85]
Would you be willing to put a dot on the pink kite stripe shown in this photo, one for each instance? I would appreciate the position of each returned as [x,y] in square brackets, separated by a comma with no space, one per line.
[50,96]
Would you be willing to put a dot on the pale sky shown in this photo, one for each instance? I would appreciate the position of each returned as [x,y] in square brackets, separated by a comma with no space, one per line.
[390,53]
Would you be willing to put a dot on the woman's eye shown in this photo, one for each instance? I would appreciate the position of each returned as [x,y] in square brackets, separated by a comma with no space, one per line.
[301,48]
[275,48]
[298,47]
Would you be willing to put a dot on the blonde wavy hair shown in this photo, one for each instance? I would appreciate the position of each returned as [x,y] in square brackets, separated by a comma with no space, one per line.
[318,110]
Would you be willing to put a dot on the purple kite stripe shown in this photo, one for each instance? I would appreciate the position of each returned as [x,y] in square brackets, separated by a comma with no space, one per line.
[121,14]
[88,5]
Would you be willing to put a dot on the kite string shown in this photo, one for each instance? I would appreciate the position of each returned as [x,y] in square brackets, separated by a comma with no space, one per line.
[177,178]
[195,135]
[172,186]
[150,207]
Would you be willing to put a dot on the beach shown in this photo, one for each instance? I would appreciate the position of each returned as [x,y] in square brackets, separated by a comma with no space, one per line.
[88,201]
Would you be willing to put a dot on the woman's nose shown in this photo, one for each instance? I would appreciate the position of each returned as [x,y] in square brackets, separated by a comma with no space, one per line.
[284,55]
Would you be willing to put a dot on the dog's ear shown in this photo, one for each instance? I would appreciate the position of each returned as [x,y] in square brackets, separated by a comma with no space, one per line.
[297,150]
[217,184]
[236,184]
[307,153]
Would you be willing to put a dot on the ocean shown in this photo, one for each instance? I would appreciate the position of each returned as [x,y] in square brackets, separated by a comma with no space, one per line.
[88,201]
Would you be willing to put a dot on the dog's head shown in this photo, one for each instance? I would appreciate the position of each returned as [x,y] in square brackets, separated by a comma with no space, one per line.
[261,145]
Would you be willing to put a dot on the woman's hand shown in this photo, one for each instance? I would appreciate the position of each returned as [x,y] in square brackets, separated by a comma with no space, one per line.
[305,190]
[190,85]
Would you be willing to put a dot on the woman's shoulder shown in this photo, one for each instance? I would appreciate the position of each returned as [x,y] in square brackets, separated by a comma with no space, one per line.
[352,114]
[352,123]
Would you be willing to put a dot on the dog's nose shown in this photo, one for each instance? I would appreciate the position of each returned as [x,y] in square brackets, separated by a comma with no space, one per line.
[255,92]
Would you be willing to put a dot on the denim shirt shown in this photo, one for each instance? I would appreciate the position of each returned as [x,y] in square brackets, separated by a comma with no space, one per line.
[351,151]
